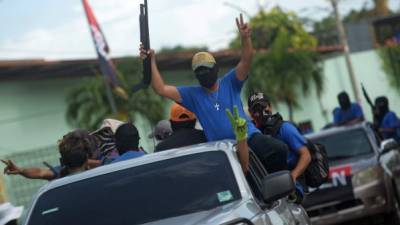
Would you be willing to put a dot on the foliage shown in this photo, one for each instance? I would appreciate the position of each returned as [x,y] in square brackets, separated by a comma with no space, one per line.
[391,64]
[290,67]
[267,25]
[88,104]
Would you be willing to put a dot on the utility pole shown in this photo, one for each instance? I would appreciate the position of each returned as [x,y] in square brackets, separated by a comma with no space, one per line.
[343,41]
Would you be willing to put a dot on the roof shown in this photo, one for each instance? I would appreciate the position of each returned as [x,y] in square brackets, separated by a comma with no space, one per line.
[226,146]
[39,69]
[392,19]
[335,130]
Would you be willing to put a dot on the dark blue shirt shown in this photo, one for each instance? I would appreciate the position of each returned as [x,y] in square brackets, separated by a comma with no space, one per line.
[289,134]
[128,155]
[210,107]
[390,120]
[340,116]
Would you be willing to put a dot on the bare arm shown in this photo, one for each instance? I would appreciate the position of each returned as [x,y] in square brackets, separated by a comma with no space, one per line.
[30,173]
[243,68]
[302,164]
[243,154]
[157,82]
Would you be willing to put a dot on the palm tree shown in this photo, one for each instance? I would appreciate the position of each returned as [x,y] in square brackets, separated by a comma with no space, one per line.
[290,66]
[88,105]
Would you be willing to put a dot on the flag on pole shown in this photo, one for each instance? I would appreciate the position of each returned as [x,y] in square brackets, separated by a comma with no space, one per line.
[106,65]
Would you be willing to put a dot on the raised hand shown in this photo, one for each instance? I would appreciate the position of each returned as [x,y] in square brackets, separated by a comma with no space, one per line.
[11,168]
[239,124]
[244,28]
[145,53]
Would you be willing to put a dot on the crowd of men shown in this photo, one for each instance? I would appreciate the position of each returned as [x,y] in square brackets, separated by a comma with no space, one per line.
[277,143]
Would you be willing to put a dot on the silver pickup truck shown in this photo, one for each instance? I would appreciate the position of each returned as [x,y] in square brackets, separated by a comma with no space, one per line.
[201,184]
[364,178]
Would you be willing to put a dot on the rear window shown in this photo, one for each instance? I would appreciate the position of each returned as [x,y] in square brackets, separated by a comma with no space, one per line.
[142,194]
[345,144]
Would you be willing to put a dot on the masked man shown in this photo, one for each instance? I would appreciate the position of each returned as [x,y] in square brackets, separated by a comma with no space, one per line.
[387,121]
[348,113]
[299,157]
[209,100]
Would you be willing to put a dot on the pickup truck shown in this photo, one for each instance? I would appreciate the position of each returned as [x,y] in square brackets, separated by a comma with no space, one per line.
[364,177]
[200,184]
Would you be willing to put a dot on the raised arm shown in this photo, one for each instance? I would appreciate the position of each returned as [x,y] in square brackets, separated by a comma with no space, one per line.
[157,82]
[31,173]
[243,68]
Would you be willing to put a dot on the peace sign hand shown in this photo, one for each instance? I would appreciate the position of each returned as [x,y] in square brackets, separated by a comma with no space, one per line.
[244,28]
[11,168]
[239,124]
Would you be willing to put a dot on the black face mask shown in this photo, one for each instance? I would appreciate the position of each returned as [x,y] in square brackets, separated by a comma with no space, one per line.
[271,123]
[344,101]
[206,76]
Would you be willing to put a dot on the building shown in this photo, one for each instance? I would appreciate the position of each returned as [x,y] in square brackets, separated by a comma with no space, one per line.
[32,96]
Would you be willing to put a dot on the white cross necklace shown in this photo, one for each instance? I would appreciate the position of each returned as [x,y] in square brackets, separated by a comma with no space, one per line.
[216,104]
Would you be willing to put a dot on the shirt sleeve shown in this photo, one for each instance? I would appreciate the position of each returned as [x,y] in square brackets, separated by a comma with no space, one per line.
[358,113]
[186,95]
[232,78]
[292,137]
[336,116]
[391,121]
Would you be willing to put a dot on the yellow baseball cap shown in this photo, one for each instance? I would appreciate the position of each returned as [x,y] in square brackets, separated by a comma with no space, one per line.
[203,59]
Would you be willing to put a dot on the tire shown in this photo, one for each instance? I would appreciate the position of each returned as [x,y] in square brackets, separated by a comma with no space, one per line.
[394,217]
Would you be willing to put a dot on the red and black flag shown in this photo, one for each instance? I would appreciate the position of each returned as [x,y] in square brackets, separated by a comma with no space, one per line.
[106,65]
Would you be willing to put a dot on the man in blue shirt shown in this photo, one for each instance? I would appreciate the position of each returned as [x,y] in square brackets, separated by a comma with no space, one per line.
[209,100]
[348,113]
[127,142]
[299,157]
[388,122]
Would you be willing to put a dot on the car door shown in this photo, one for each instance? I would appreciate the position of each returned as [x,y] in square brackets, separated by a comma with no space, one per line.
[279,212]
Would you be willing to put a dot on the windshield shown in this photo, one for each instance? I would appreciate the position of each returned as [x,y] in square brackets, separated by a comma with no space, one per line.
[345,144]
[142,194]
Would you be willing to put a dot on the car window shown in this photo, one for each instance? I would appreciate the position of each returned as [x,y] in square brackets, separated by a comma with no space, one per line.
[255,175]
[345,144]
[142,194]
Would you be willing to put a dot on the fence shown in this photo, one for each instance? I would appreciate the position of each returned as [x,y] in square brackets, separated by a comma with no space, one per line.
[19,189]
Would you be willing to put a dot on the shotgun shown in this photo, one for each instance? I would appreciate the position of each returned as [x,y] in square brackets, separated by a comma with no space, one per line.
[145,39]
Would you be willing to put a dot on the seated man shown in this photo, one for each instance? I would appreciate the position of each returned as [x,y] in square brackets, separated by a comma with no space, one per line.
[72,141]
[183,124]
[348,113]
[75,149]
[388,122]
[299,156]
[127,142]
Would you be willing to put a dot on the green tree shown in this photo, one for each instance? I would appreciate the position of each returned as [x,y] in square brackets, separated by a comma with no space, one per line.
[290,65]
[391,64]
[88,105]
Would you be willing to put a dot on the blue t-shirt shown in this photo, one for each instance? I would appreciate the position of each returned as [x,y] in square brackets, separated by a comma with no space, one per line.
[210,107]
[390,120]
[292,137]
[340,116]
[128,155]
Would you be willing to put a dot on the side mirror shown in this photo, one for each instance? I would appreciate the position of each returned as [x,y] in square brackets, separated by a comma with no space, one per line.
[277,186]
[388,145]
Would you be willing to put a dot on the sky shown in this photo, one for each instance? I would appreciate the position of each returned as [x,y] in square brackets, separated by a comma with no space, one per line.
[57,29]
